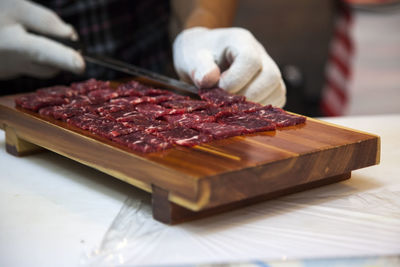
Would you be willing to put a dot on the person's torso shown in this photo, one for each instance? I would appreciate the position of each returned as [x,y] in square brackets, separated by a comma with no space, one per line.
[134,31]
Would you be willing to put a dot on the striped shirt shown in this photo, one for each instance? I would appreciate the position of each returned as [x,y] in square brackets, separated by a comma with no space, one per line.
[134,31]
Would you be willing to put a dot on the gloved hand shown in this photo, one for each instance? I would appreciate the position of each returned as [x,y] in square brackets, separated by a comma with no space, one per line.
[230,58]
[26,53]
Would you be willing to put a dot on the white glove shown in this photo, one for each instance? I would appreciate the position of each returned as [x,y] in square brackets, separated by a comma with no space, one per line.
[201,54]
[25,53]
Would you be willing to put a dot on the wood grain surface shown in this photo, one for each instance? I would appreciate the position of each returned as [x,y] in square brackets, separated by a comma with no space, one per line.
[211,175]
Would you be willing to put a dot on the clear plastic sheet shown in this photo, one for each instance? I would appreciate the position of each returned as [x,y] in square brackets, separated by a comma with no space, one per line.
[326,222]
[357,217]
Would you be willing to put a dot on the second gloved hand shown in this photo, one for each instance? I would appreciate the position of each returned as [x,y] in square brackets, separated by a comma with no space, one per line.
[25,53]
[232,59]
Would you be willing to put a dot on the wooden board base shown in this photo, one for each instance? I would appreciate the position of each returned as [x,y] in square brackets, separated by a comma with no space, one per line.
[170,213]
[17,146]
[189,183]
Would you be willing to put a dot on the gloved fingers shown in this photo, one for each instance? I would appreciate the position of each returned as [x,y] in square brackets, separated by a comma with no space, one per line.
[48,52]
[245,64]
[266,82]
[39,71]
[278,96]
[43,20]
[203,71]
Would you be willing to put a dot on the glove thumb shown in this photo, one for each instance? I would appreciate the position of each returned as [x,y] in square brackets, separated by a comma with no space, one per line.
[205,73]
[202,69]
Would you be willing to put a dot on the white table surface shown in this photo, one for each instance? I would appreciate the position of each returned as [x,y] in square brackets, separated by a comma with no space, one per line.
[56,212]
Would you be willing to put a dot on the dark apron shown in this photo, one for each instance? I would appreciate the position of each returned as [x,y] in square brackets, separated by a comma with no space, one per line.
[135,31]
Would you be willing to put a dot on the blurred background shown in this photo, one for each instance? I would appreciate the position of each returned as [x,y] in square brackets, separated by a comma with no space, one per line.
[299,34]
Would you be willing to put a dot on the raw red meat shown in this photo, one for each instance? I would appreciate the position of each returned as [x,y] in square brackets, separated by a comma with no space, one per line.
[252,123]
[135,100]
[58,90]
[151,99]
[134,88]
[90,85]
[35,102]
[120,115]
[185,136]
[220,97]
[280,117]
[240,107]
[152,110]
[147,125]
[129,114]
[112,107]
[215,111]
[219,130]
[132,116]
[128,102]
[143,142]
[102,95]
[139,121]
[85,121]
[78,101]
[186,105]
[65,112]
[111,129]
[47,111]
[188,119]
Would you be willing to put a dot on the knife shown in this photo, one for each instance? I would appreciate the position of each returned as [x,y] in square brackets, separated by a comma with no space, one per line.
[132,70]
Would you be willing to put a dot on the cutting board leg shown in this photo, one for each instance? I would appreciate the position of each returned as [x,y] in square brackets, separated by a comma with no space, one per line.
[17,146]
[170,213]
[166,211]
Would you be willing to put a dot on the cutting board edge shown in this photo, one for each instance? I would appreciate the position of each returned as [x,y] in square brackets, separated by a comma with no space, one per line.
[342,127]
[370,144]
[24,135]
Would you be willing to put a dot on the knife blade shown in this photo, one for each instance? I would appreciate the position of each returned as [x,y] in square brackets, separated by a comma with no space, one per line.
[132,70]
[139,73]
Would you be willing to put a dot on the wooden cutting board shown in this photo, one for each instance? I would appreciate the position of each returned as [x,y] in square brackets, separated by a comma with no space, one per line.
[193,182]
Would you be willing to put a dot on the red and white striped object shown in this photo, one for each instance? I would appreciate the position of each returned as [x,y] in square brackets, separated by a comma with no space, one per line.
[335,94]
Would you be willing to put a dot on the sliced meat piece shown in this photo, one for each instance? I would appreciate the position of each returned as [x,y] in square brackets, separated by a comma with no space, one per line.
[120,115]
[219,130]
[85,121]
[245,107]
[135,100]
[151,110]
[280,117]
[134,88]
[220,97]
[102,95]
[150,99]
[78,101]
[111,129]
[140,121]
[188,119]
[133,116]
[93,107]
[35,102]
[252,123]
[65,112]
[148,125]
[128,102]
[90,85]
[58,90]
[109,107]
[215,111]
[185,136]
[47,111]
[187,105]
[143,142]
